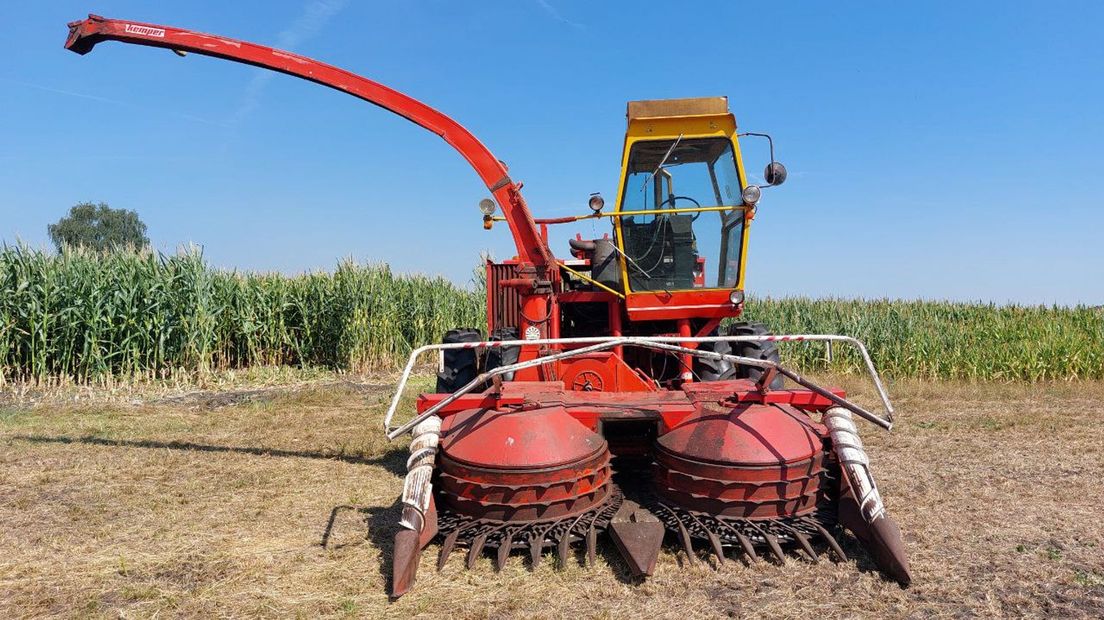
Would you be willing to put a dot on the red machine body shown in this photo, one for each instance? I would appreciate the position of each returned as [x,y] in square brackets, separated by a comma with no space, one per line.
[544,437]
[528,292]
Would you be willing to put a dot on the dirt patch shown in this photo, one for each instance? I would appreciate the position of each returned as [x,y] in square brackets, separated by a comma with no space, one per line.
[217,399]
[282,503]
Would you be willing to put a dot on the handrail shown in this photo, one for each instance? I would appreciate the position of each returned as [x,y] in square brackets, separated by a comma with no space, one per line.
[666,343]
[677,210]
[569,219]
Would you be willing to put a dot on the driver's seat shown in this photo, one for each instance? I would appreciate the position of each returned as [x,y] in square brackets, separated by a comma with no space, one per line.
[664,247]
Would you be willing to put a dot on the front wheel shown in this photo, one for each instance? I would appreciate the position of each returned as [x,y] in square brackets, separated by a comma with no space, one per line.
[722,370]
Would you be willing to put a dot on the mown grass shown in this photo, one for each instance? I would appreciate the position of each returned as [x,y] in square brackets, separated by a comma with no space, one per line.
[88,317]
[284,505]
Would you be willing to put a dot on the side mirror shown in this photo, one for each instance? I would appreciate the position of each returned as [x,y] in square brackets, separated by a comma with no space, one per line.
[775,174]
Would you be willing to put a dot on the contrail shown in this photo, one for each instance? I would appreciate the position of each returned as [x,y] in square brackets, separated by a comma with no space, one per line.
[118,102]
[551,10]
[316,14]
[69,93]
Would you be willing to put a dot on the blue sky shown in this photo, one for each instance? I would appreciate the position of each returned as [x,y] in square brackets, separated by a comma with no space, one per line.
[936,150]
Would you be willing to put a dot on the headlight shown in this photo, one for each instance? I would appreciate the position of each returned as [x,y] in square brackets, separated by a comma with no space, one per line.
[487,206]
[736,297]
[596,202]
[751,195]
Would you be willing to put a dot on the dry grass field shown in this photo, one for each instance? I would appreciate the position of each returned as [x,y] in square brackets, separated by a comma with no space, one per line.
[281,502]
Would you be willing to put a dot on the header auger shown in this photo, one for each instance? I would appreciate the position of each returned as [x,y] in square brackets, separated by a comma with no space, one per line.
[607,397]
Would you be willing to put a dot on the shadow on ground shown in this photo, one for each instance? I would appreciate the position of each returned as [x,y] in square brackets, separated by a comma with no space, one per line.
[217,399]
[394,461]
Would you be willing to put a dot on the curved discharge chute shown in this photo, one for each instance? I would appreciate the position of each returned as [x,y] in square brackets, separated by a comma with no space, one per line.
[85,34]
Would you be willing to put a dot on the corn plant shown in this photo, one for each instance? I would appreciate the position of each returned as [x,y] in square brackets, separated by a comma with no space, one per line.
[85,316]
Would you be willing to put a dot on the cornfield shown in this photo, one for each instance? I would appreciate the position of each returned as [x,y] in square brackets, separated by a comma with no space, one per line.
[943,340]
[86,316]
[90,317]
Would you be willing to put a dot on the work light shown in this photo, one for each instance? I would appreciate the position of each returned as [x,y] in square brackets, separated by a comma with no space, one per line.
[751,195]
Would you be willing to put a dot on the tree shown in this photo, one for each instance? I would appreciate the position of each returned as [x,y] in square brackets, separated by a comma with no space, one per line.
[99,227]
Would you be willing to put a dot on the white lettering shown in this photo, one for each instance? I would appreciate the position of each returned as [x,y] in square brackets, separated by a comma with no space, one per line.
[145,31]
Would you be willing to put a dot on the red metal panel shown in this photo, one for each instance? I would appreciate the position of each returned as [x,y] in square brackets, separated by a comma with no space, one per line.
[545,437]
[587,296]
[467,401]
[660,305]
[600,372]
[503,302]
[784,472]
[745,391]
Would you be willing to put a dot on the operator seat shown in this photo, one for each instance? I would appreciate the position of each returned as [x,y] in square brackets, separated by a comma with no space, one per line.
[662,252]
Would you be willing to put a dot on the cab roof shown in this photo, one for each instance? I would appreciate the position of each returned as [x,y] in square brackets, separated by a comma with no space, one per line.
[666,108]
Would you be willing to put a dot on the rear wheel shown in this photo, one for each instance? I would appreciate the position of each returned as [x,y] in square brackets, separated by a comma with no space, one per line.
[721,370]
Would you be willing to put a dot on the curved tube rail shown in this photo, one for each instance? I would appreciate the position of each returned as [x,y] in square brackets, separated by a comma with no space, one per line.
[661,343]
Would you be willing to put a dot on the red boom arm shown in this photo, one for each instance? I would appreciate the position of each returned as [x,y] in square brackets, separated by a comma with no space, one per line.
[84,35]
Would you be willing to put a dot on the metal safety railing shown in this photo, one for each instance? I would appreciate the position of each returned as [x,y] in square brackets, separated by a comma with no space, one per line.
[659,343]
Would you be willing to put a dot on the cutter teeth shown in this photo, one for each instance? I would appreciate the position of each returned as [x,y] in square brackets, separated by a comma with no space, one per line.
[720,535]
[505,537]
[751,536]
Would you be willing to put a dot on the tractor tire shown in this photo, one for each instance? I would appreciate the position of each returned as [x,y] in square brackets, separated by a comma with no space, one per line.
[460,365]
[714,370]
[720,370]
[762,350]
[503,356]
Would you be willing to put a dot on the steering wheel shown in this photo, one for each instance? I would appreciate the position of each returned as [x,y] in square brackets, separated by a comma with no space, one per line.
[674,199]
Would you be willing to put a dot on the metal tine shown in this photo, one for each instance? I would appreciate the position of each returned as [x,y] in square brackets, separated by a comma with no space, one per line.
[476,549]
[775,548]
[536,543]
[562,549]
[564,546]
[477,544]
[718,550]
[745,542]
[833,544]
[447,547]
[592,542]
[684,536]
[714,541]
[804,542]
[504,547]
[772,542]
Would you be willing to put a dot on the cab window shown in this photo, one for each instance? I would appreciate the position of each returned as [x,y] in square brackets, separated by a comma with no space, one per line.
[666,245]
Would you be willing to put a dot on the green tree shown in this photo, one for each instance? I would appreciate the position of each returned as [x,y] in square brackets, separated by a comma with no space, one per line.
[99,227]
